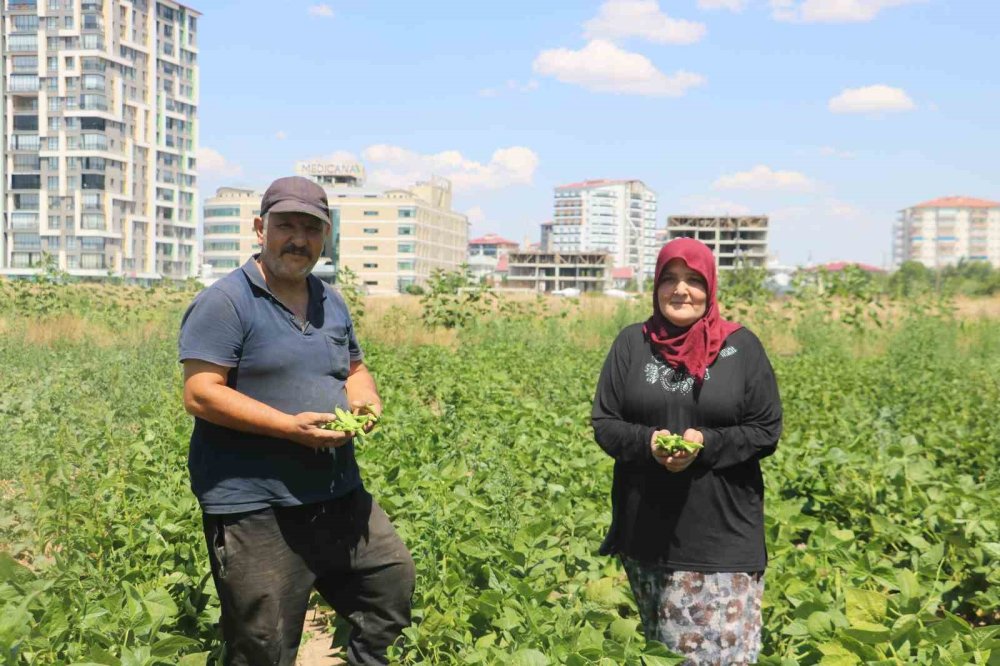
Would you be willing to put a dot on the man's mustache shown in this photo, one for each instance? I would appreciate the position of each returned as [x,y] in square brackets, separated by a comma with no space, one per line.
[291,249]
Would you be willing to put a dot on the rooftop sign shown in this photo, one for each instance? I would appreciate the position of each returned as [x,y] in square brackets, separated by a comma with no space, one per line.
[354,169]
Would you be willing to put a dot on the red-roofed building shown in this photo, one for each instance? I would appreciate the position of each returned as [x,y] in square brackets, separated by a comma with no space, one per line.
[944,231]
[485,254]
[622,277]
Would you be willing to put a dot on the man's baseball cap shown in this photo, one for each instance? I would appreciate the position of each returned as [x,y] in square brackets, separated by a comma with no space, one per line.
[295,194]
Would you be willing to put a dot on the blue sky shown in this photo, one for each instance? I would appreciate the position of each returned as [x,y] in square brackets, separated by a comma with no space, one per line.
[827,115]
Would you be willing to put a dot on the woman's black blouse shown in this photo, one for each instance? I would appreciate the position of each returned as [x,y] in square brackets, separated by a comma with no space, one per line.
[710,517]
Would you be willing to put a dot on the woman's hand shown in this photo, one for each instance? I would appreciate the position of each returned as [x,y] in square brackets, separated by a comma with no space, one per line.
[679,461]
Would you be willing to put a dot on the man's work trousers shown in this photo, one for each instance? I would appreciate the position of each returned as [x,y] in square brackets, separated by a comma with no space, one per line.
[265,564]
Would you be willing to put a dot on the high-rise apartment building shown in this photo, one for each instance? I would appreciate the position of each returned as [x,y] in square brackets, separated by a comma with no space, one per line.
[944,231]
[100,133]
[735,241]
[393,238]
[228,236]
[613,216]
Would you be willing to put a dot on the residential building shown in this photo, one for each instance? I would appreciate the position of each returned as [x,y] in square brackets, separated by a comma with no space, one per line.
[735,241]
[390,238]
[485,253]
[944,231]
[99,117]
[553,271]
[228,236]
[613,216]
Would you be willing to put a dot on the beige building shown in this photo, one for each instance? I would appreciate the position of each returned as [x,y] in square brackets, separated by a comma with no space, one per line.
[228,238]
[944,231]
[100,133]
[554,271]
[735,241]
[390,238]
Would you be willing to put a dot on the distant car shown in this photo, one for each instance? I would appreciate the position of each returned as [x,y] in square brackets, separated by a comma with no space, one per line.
[570,292]
[617,293]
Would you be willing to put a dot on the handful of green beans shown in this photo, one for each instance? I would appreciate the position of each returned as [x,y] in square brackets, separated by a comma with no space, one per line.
[352,424]
[676,444]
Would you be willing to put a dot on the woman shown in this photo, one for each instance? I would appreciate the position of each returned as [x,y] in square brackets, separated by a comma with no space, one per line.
[689,527]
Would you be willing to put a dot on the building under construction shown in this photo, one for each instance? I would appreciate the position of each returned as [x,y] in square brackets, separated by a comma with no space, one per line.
[735,241]
[554,271]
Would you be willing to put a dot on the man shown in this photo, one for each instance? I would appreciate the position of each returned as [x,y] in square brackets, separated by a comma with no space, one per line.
[268,351]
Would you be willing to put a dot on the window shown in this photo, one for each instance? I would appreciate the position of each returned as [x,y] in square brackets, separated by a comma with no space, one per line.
[371,283]
[405,248]
[369,265]
[371,213]
[370,230]
[92,261]
[26,23]
[405,265]
[407,212]
[95,141]
[222,246]
[222,229]
[23,221]
[54,221]
[71,243]
[27,242]
[52,143]
[223,211]
[25,63]
[92,244]
[370,248]
[27,163]
[53,242]
[23,83]
[406,230]
[93,82]
[92,181]
[91,221]
[25,182]
[52,182]
[29,123]
[90,201]
[22,43]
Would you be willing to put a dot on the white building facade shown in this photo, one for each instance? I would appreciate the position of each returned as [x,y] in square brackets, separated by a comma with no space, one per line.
[944,231]
[613,216]
[100,134]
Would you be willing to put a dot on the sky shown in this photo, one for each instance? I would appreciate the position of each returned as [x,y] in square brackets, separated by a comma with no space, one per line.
[827,115]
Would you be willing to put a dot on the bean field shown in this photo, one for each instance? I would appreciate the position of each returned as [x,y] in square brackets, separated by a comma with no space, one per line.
[881,501]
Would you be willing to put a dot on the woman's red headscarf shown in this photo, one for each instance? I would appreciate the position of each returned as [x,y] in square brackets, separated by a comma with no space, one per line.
[696,347]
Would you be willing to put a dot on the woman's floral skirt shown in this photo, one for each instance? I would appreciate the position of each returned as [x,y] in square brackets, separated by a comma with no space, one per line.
[712,618]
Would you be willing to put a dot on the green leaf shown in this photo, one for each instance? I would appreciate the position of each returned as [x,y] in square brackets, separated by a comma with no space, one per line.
[197,659]
[867,632]
[529,657]
[865,605]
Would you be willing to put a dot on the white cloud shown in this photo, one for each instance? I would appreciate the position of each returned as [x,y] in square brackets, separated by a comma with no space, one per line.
[323,11]
[393,166]
[710,206]
[731,5]
[871,99]
[280,135]
[763,177]
[603,67]
[832,11]
[211,161]
[830,151]
[620,19]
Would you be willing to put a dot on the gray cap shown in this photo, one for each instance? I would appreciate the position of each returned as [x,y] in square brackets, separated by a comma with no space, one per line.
[295,194]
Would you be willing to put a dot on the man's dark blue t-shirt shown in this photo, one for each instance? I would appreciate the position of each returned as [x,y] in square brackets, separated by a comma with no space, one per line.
[275,359]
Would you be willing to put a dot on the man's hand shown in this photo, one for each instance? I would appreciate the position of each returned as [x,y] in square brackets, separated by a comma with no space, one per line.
[679,461]
[368,407]
[307,431]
